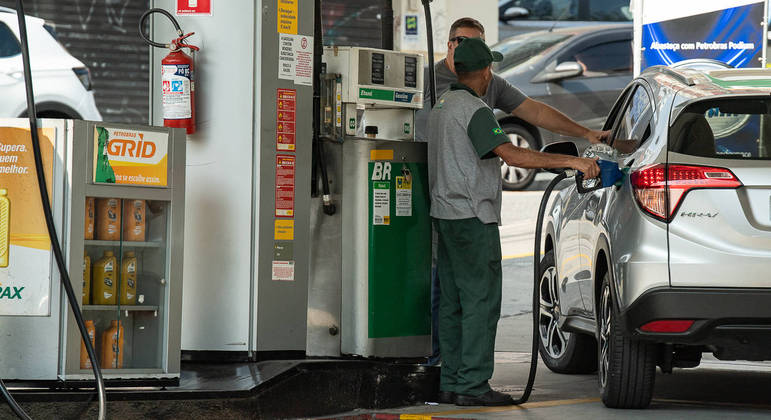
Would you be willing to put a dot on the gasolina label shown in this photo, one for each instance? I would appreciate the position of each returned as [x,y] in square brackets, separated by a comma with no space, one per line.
[177,84]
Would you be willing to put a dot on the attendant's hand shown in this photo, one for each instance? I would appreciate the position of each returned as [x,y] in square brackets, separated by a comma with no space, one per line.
[597,136]
[589,167]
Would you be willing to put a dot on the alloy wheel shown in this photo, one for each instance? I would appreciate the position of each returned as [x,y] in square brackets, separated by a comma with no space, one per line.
[606,316]
[513,174]
[553,339]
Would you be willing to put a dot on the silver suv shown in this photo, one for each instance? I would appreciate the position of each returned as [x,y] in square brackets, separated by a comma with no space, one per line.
[674,262]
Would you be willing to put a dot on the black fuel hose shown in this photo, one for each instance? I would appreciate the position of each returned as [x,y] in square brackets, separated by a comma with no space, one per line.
[318,51]
[64,276]
[430,40]
[536,289]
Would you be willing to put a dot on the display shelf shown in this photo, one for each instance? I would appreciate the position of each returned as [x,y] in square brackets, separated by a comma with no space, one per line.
[125,244]
[130,308]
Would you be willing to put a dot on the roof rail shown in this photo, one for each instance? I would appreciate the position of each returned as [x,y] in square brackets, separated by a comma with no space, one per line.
[7,10]
[673,73]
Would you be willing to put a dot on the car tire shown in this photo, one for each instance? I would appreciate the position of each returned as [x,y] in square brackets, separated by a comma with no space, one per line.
[626,367]
[514,178]
[561,351]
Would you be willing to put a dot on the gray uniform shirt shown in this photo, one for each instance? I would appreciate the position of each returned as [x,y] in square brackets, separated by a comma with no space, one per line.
[464,173]
[500,95]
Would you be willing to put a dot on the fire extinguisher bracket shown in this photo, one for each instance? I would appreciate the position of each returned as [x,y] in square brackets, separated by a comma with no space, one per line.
[177,76]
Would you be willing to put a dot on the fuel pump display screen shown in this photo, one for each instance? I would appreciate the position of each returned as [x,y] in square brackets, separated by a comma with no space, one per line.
[378,69]
[410,72]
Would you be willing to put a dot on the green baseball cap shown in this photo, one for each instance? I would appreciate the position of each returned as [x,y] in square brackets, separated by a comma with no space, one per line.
[473,54]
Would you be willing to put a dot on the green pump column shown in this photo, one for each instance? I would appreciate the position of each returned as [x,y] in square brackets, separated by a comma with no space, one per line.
[399,250]
[386,249]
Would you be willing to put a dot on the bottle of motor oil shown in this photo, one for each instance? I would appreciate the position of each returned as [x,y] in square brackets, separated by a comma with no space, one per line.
[90,217]
[128,276]
[112,346]
[103,280]
[5,227]
[85,362]
[108,219]
[134,220]
[86,278]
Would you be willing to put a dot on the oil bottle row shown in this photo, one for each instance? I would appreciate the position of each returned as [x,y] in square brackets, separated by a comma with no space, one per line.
[104,216]
[111,346]
[100,281]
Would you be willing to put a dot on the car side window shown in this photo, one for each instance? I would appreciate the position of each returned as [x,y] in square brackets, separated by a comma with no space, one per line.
[633,126]
[9,45]
[606,59]
[617,110]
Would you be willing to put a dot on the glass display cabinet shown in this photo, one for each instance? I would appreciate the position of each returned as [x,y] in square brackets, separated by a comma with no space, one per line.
[126,234]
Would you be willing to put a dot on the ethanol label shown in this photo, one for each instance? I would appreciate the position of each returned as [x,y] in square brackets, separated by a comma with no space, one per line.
[176,91]
[381,203]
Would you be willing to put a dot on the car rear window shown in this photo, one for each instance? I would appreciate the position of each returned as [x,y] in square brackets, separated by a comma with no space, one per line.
[9,45]
[724,128]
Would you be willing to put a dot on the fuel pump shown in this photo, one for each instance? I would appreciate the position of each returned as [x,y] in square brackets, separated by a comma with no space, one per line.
[371,260]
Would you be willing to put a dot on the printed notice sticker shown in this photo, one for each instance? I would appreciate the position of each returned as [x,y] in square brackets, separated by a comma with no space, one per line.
[283,230]
[403,196]
[283,271]
[381,203]
[295,58]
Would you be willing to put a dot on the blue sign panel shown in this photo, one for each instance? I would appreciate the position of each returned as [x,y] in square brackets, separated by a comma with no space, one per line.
[733,36]
[411,25]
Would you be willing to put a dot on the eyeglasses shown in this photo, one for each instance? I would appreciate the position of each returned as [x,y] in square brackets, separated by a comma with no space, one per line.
[458,39]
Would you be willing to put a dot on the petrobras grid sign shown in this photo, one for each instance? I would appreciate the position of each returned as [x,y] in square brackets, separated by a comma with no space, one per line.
[727,31]
[130,157]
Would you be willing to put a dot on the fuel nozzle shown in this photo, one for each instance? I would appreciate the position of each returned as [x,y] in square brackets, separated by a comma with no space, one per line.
[610,175]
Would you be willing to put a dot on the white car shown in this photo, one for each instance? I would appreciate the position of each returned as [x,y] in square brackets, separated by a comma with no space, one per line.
[62,83]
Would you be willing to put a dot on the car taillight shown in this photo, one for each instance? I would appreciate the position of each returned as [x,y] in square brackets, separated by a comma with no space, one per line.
[668,326]
[84,75]
[660,189]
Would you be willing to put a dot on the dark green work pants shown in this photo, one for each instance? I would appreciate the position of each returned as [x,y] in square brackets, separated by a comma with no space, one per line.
[469,264]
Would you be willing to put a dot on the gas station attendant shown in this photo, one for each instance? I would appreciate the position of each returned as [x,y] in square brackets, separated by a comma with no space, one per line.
[464,141]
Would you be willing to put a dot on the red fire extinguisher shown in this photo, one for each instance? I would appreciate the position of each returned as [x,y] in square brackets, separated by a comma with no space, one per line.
[177,77]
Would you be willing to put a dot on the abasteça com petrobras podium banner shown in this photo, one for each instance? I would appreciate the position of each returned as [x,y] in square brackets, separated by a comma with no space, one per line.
[708,33]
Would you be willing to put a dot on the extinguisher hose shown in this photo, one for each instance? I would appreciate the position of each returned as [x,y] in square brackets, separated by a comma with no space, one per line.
[147,39]
[64,276]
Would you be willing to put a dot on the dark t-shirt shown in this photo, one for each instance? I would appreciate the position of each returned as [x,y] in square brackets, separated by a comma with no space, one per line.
[500,95]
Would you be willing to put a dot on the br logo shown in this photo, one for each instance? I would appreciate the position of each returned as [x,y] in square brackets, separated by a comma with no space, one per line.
[497,130]
[381,171]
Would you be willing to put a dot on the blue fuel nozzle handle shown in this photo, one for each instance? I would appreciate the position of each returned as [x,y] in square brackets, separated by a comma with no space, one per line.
[609,175]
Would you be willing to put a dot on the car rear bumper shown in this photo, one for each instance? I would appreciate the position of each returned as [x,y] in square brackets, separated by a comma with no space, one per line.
[723,317]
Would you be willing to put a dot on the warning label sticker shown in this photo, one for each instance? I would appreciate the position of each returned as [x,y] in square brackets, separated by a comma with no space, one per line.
[283,271]
[177,85]
[295,58]
[286,118]
[285,185]
[403,196]
[381,203]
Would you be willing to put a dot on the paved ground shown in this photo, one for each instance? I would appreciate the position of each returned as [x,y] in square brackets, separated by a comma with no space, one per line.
[716,390]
